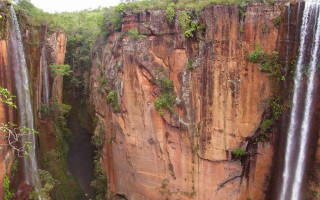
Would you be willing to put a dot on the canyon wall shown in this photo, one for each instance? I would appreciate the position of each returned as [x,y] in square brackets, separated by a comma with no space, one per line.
[34,37]
[6,81]
[6,113]
[221,99]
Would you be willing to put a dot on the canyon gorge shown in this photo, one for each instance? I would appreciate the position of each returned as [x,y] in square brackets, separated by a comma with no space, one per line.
[182,99]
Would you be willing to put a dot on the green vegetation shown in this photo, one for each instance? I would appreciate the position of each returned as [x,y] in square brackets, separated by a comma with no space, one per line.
[16,134]
[276,106]
[46,184]
[112,99]
[171,12]
[266,126]
[35,16]
[59,113]
[241,29]
[167,99]
[269,63]
[55,164]
[44,110]
[281,6]
[82,29]
[264,28]
[277,21]
[189,25]
[164,190]
[195,147]
[238,153]
[3,27]
[257,54]
[104,85]
[14,168]
[99,139]
[133,33]
[197,134]
[55,160]
[6,97]
[100,182]
[6,187]
[62,70]
[197,5]
[190,65]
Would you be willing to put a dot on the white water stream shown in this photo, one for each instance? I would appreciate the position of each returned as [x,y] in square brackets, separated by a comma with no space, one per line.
[292,172]
[45,75]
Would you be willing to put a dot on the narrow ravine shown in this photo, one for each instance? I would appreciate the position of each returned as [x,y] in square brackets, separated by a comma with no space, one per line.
[81,152]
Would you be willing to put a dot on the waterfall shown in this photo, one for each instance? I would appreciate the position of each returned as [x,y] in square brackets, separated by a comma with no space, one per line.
[297,128]
[45,75]
[24,100]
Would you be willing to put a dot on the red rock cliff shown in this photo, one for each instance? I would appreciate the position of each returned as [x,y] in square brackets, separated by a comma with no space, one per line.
[6,113]
[186,154]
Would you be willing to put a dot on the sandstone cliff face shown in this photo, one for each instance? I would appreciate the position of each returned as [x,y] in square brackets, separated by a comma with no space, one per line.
[56,49]
[6,113]
[58,43]
[186,154]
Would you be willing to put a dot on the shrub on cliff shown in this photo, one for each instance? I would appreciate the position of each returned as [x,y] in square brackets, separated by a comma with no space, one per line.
[167,99]
[6,97]
[112,99]
[46,184]
[104,85]
[190,64]
[171,12]
[100,182]
[238,153]
[277,21]
[266,125]
[269,63]
[8,195]
[133,33]
[257,54]
[189,25]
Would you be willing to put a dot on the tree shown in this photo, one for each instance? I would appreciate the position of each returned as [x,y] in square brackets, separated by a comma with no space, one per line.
[46,184]
[6,97]
[63,70]
[11,132]
[14,136]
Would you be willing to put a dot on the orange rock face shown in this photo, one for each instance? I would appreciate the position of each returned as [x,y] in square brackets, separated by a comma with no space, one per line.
[6,113]
[58,42]
[186,154]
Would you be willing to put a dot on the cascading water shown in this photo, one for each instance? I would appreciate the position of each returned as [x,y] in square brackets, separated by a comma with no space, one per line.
[45,75]
[294,171]
[24,100]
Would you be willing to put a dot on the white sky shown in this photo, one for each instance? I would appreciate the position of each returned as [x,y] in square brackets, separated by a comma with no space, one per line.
[71,5]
